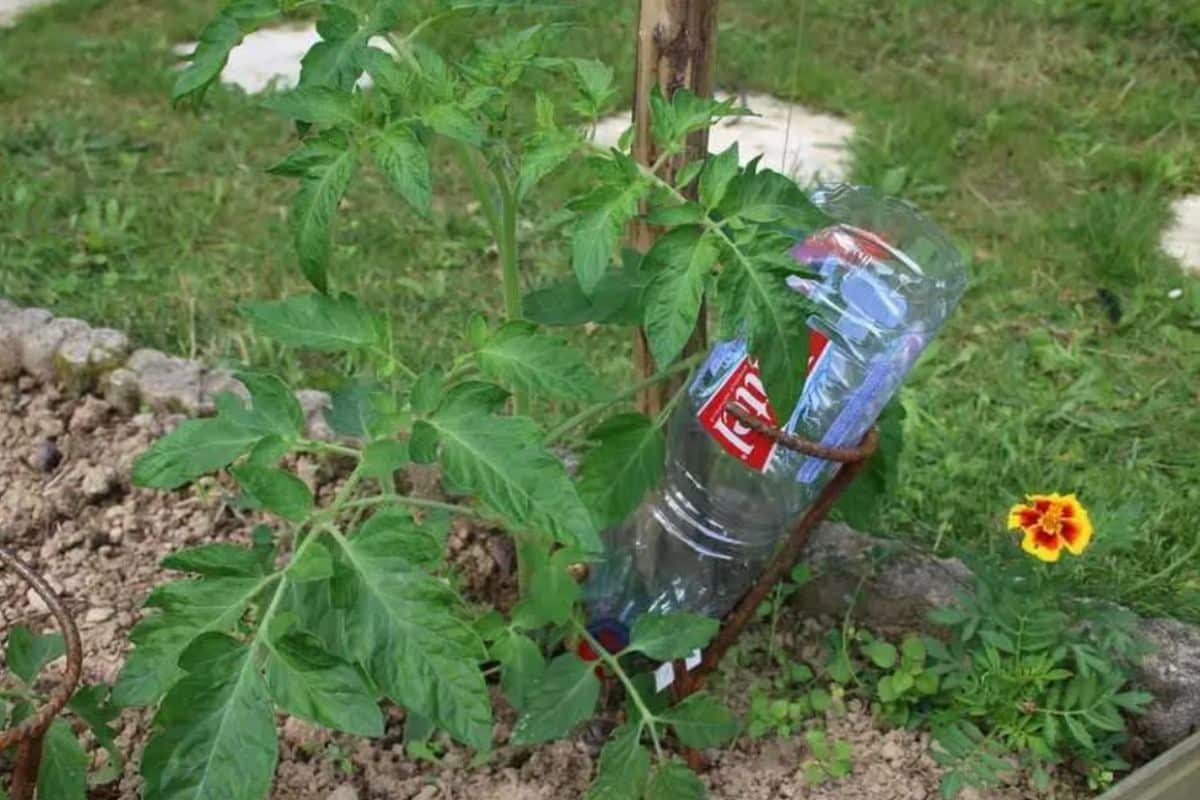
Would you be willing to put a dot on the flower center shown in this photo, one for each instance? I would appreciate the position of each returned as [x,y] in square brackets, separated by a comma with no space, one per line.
[1052,520]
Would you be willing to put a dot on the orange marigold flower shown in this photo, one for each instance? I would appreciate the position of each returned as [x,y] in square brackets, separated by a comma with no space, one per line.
[1050,523]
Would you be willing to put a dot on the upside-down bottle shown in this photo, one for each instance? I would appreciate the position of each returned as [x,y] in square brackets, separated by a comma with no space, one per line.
[886,280]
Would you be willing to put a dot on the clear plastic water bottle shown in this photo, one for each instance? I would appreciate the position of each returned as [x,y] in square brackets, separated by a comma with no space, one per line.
[887,280]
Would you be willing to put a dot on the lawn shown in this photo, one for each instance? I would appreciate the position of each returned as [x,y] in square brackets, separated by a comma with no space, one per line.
[1047,136]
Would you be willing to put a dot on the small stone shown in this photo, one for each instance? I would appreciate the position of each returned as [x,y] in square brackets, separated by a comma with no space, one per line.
[88,415]
[168,383]
[98,482]
[14,325]
[36,603]
[40,346]
[51,427]
[87,355]
[98,614]
[47,457]
[314,405]
[343,792]
[120,389]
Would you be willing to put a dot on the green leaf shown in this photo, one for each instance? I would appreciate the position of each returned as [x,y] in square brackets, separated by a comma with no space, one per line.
[336,61]
[189,609]
[309,682]
[626,463]
[362,410]
[382,458]
[216,41]
[595,80]
[62,774]
[318,322]
[912,651]
[702,721]
[405,628]
[682,260]
[196,447]
[882,654]
[753,295]
[553,592]
[518,356]
[616,299]
[603,216]
[820,700]
[218,559]
[521,667]
[1079,732]
[999,640]
[623,769]
[683,214]
[314,152]
[28,652]
[277,490]
[403,161]
[454,123]
[313,563]
[274,408]
[318,105]
[214,734]
[418,544]
[545,152]
[768,196]
[665,637]
[423,442]
[501,460]
[718,172]
[674,781]
[90,703]
[321,190]
[565,697]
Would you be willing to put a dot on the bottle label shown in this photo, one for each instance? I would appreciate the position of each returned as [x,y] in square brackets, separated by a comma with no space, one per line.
[744,386]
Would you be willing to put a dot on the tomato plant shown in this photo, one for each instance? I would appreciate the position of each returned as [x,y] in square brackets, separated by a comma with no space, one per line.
[348,604]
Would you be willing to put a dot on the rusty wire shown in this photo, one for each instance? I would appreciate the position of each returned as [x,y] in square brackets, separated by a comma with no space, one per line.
[28,735]
[801,445]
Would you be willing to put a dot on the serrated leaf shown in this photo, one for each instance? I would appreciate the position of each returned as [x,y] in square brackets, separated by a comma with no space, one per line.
[603,216]
[276,490]
[312,563]
[309,682]
[672,780]
[665,637]
[595,80]
[188,609]
[681,261]
[718,172]
[517,356]
[214,733]
[317,105]
[404,627]
[382,458]
[754,297]
[453,122]
[553,591]
[404,162]
[218,38]
[318,322]
[90,703]
[565,697]
[616,299]
[501,460]
[274,408]
[195,448]
[28,652]
[702,721]
[314,152]
[1079,732]
[623,768]
[216,560]
[423,442]
[544,152]
[683,214]
[337,60]
[321,190]
[521,667]
[62,773]
[362,410]
[427,391]
[626,463]
[395,527]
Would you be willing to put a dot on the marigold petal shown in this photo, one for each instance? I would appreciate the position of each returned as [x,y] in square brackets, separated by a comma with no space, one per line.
[1083,533]
[1036,545]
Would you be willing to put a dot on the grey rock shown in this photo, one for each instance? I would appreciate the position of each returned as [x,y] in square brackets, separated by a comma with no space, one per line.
[40,346]
[88,415]
[15,324]
[168,383]
[1171,672]
[85,357]
[121,390]
[98,481]
[98,614]
[896,586]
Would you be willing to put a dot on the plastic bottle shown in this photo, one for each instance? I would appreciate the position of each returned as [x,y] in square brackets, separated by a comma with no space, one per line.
[887,281]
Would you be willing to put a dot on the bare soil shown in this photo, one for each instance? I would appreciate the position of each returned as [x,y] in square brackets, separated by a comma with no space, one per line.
[67,507]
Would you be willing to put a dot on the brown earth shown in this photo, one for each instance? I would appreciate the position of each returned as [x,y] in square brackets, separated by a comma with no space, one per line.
[67,508]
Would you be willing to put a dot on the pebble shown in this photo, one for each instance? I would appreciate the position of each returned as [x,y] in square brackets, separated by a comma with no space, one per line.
[47,457]
[98,482]
[95,616]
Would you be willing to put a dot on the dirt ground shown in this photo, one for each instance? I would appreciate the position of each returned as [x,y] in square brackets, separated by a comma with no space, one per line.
[66,506]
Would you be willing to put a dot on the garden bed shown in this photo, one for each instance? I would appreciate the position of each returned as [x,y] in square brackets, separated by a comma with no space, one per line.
[69,510]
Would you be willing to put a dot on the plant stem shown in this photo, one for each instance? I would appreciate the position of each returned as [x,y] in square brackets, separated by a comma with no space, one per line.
[408,500]
[327,448]
[479,187]
[507,242]
[597,410]
[611,660]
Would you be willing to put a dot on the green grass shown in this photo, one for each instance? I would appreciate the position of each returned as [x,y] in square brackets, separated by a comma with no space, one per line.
[1048,136]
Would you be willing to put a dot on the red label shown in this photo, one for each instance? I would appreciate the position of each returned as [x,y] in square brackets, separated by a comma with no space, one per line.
[744,386]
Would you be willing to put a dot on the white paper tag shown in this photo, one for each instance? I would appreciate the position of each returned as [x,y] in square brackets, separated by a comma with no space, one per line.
[692,661]
[664,676]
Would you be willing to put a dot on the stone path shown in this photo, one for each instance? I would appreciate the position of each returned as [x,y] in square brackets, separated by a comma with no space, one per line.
[11,9]
[1182,239]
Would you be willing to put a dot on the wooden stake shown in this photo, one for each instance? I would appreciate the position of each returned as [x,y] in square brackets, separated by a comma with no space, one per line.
[676,48]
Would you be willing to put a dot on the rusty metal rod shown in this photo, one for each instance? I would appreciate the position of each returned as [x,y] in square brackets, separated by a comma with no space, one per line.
[29,733]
